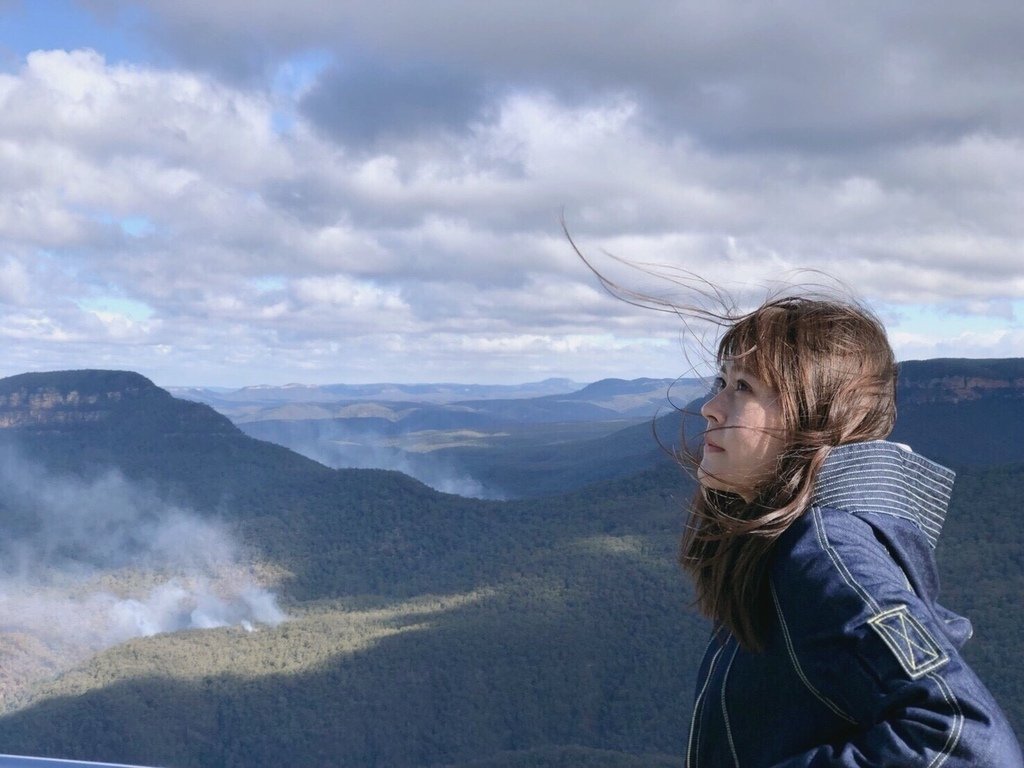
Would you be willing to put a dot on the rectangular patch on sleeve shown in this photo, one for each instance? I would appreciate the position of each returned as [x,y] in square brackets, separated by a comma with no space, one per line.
[914,648]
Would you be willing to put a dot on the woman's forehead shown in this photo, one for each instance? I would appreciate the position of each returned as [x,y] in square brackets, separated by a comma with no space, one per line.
[748,368]
[736,367]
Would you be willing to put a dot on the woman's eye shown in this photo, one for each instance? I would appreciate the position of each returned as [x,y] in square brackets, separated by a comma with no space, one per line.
[717,385]
[742,386]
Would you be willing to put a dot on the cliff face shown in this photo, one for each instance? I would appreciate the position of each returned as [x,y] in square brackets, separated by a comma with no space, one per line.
[957,389]
[28,407]
[123,405]
[960,380]
[65,398]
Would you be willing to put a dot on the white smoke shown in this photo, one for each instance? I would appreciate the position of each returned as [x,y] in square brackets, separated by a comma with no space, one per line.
[333,446]
[173,606]
[460,485]
[86,564]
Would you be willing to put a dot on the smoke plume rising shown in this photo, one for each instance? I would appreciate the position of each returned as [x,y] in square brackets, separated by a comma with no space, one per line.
[86,564]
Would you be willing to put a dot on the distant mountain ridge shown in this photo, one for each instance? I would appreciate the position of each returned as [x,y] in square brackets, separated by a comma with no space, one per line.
[961,412]
[921,381]
[268,394]
[935,380]
[84,421]
[954,380]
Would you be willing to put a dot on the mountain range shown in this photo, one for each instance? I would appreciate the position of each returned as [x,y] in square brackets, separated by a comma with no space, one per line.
[417,628]
[955,410]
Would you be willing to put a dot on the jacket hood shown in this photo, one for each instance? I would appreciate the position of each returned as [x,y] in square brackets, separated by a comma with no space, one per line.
[886,478]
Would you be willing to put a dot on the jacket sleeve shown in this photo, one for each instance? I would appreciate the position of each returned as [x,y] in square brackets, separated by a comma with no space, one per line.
[869,648]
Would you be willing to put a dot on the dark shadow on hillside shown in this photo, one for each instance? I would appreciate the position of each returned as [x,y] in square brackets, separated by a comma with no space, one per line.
[981,562]
[969,434]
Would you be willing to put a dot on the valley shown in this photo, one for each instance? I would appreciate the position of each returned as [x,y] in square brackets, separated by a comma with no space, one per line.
[418,628]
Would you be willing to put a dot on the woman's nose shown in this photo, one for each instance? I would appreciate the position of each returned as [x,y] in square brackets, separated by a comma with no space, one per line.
[712,408]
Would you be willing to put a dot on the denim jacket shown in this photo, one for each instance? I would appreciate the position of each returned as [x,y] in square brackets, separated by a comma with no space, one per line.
[862,666]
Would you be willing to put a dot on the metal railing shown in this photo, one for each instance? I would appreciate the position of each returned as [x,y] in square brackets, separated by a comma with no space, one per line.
[14,761]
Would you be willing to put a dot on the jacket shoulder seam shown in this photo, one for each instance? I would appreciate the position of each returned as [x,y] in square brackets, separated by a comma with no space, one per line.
[798,668]
[837,561]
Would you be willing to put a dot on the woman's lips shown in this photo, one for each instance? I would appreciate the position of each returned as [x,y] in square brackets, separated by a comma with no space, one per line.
[712,448]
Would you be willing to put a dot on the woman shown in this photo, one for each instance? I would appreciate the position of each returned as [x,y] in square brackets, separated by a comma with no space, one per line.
[810,544]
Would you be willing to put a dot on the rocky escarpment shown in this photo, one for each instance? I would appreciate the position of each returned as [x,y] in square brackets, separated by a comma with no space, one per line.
[957,380]
[65,398]
[122,404]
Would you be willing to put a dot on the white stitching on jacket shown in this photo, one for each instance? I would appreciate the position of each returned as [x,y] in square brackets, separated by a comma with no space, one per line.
[837,561]
[690,746]
[958,719]
[843,474]
[881,467]
[796,663]
[725,712]
[909,640]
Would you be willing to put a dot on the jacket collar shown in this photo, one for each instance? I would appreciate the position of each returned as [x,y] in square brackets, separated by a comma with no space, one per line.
[886,478]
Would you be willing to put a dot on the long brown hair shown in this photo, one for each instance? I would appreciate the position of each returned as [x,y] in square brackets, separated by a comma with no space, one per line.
[835,374]
[829,360]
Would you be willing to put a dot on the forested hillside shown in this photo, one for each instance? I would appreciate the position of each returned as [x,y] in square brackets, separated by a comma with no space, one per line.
[573,632]
[423,629]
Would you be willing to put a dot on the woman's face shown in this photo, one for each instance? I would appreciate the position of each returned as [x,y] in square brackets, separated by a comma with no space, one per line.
[744,433]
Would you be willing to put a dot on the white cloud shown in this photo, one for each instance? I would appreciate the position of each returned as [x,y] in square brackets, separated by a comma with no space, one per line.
[261,247]
[999,342]
[14,281]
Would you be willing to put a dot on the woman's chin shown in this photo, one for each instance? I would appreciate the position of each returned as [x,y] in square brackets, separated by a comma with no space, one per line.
[713,482]
[709,480]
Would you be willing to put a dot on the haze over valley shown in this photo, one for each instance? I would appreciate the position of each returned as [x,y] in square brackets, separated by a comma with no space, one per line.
[453,437]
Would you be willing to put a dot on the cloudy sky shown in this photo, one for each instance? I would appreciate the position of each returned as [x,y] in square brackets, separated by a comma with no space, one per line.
[236,192]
